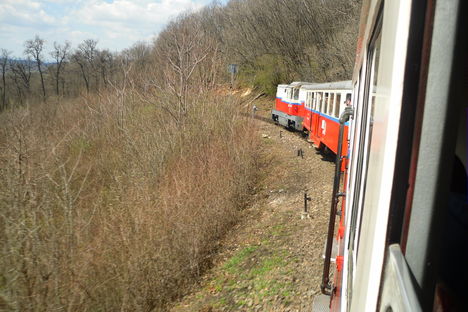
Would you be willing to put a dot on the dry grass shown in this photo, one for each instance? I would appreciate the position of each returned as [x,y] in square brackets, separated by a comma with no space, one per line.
[106,203]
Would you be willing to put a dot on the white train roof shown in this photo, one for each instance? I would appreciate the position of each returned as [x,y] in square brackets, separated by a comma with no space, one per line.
[337,85]
[300,84]
[345,85]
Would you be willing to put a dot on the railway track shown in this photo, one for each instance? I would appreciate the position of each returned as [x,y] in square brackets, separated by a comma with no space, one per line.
[258,117]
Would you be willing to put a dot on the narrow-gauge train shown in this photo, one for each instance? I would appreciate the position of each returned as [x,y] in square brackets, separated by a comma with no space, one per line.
[398,228]
[313,108]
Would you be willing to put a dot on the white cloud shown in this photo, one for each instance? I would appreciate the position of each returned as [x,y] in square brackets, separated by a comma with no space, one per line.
[24,13]
[137,15]
[116,24]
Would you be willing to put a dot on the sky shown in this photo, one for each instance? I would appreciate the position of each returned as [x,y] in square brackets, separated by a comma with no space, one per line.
[116,24]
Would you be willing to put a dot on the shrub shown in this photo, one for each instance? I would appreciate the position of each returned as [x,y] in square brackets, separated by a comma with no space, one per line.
[108,203]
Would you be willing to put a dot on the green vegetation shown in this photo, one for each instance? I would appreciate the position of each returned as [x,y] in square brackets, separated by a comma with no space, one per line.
[253,275]
[232,265]
[265,74]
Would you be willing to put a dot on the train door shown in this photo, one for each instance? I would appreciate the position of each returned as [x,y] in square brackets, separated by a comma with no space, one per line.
[326,111]
[322,123]
[308,110]
[316,118]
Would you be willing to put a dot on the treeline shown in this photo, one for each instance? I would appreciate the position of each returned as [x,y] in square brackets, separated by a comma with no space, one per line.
[272,41]
[40,74]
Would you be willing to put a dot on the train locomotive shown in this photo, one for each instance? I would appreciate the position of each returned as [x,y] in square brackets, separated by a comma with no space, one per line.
[398,228]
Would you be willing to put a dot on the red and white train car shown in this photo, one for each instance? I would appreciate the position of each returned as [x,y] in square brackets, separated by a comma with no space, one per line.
[402,243]
[323,103]
[314,108]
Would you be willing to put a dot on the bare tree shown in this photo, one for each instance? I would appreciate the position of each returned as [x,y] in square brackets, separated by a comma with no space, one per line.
[59,54]
[21,70]
[4,57]
[90,52]
[104,64]
[313,39]
[139,53]
[182,47]
[79,58]
[34,49]
[85,57]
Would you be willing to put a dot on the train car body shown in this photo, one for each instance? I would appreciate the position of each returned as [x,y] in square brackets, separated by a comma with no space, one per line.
[289,110]
[314,108]
[402,237]
[323,103]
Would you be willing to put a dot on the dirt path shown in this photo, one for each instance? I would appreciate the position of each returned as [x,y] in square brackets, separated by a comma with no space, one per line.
[272,261]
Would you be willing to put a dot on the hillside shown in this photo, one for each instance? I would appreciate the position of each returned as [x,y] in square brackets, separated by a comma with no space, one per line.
[272,260]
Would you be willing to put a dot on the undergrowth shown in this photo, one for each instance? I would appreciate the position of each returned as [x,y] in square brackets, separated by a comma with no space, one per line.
[108,203]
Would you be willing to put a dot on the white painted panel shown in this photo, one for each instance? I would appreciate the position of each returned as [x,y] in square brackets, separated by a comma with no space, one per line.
[382,155]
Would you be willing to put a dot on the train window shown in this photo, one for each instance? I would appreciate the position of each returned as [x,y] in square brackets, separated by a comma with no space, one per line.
[371,102]
[365,141]
[319,102]
[332,103]
[325,103]
[337,105]
[314,100]
[296,94]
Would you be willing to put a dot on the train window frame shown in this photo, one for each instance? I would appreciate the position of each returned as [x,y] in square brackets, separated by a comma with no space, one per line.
[319,101]
[315,101]
[326,100]
[332,103]
[363,148]
[337,104]
[296,94]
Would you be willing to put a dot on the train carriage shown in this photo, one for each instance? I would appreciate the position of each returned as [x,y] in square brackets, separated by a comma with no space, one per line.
[323,104]
[314,108]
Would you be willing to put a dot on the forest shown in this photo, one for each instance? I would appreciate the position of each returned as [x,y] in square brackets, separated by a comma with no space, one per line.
[272,42]
[119,171]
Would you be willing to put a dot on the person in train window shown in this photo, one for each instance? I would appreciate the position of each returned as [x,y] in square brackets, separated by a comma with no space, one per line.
[348,100]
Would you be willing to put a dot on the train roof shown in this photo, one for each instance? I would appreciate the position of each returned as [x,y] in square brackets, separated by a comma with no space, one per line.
[299,84]
[346,85]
